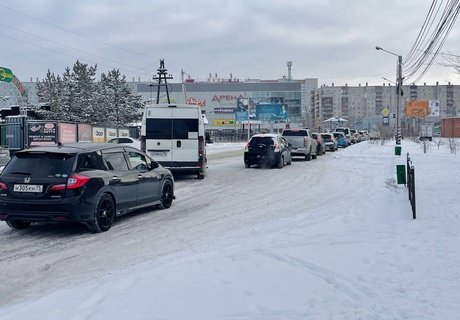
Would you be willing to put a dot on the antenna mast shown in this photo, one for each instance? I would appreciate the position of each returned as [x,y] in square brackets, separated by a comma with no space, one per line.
[162,76]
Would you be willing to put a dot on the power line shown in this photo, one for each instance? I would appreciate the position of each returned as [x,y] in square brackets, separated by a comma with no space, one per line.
[76,33]
[416,57]
[69,47]
[55,51]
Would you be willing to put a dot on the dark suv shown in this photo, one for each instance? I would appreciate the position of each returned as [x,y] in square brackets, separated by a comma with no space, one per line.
[82,182]
[267,149]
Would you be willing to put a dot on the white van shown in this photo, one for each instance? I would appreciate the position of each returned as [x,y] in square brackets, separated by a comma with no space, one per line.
[173,135]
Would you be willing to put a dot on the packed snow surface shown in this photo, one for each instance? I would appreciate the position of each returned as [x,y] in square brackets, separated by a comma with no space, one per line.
[331,238]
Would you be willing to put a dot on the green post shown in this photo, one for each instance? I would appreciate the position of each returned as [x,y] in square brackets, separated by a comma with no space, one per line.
[397,150]
[401,173]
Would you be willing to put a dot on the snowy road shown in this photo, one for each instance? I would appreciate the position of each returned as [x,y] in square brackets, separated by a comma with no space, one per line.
[49,256]
[332,238]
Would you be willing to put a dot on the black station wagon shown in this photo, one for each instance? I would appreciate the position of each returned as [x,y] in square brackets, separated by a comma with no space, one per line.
[81,182]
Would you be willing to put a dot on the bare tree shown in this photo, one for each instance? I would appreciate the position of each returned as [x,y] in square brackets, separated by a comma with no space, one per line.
[438,142]
[453,143]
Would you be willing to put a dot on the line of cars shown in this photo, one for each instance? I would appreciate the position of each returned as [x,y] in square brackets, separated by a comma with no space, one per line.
[277,150]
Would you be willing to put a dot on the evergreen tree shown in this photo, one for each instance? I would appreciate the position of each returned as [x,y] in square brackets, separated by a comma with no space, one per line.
[77,97]
[120,105]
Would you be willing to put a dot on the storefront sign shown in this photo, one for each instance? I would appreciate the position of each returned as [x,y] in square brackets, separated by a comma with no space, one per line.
[224,110]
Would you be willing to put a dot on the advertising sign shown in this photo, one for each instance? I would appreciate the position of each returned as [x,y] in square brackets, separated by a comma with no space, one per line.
[223,122]
[417,108]
[271,111]
[224,110]
[67,132]
[84,133]
[123,132]
[241,116]
[98,135]
[42,133]
[435,108]
[110,133]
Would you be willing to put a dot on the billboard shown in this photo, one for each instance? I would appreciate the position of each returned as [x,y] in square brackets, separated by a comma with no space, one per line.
[42,133]
[123,132]
[67,132]
[84,132]
[417,108]
[110,133]
[98,134]
[435,108]
[223,122]
[271,111]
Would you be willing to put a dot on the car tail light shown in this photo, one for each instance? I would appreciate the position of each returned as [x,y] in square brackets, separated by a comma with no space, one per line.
[277,148]
[200,145]
[201,151]
[74,182]
[246,147]
[3,186]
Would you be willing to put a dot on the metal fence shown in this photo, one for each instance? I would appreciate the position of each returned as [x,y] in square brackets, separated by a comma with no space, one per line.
[411,185]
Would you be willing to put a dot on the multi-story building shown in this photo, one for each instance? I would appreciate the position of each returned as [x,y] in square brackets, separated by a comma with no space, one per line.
[364,106]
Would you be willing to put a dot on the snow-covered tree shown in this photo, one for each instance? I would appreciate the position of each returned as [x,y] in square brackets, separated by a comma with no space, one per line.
[77,97]
[120,106]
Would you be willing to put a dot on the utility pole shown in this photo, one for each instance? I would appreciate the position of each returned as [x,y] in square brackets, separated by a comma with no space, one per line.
[162,76]
[399,81]
[398,101]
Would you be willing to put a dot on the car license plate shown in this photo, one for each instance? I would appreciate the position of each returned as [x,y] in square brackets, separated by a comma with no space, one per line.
[28,188]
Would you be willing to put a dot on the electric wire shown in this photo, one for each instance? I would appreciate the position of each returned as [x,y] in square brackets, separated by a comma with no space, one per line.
[420,36]
[69,47]
[76,33]
[417,58]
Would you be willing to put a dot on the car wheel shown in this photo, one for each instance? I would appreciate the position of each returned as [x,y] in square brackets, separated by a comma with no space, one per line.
[18,224]
[104,215]
[281,162]
[167,194]
[289,160]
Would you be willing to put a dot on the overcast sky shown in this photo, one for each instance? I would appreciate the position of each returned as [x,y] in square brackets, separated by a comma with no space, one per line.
[333,41]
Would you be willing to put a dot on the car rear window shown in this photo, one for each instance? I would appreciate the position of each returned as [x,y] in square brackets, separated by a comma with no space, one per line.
[262,140]
[295,133]
[43,164]
[170,128]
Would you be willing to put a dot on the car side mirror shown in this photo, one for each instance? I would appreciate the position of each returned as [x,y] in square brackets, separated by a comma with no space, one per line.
[154,165]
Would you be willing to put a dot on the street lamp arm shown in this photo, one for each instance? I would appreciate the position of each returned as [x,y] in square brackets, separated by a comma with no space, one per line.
[380,48]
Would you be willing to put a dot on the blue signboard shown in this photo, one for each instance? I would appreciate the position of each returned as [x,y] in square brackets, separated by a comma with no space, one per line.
[271,111]
[241,116]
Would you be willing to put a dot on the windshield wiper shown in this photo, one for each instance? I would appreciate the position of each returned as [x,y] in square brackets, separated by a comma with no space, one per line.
[21,172]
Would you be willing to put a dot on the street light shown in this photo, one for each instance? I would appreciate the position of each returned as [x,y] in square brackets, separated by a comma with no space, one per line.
[399,80]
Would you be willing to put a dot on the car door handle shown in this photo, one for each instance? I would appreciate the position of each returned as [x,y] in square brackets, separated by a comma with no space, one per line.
[178,143]
[115,179]
[140,177]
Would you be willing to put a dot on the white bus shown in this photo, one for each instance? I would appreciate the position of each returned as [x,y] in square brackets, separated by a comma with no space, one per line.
[173,135]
